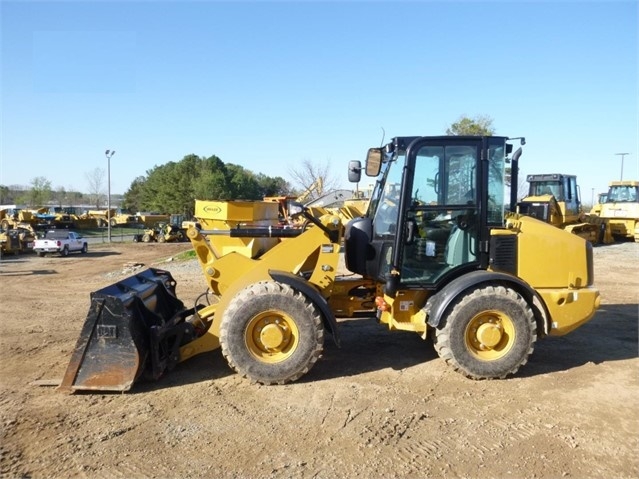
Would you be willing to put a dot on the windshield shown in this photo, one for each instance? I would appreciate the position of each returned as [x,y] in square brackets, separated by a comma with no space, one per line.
[622,193]
[541,188]
[386,194]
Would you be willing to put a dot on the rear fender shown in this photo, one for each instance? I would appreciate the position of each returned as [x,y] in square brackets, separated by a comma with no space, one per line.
[437,305]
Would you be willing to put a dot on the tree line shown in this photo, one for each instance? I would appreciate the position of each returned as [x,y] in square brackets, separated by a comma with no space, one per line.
[39,193]
[173,187]
[168,188]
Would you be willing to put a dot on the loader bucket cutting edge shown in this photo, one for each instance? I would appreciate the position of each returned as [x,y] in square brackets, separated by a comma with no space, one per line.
[116,346]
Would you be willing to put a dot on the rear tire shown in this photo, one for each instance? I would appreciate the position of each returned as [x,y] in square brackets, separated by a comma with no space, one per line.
[146,238]
[271,333]
[489,333]
[84,249]
[65,251]
[41,255]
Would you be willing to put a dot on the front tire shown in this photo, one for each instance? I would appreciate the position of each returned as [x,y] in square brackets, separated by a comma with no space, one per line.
[271,333]
[489,333]
[85,248]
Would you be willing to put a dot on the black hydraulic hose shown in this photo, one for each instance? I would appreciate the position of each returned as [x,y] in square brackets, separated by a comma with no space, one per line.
[265,232]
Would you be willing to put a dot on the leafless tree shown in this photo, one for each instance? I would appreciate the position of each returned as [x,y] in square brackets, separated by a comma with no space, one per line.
[313,179]
[95,181]
[60,195]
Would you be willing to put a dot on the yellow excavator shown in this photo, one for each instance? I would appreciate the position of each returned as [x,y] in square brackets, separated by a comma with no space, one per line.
[439,252]
[555,199]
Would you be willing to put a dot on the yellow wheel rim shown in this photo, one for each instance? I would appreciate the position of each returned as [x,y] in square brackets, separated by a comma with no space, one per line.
[272,336]
[490,335]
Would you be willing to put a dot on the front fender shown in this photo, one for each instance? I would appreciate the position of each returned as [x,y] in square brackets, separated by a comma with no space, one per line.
[311,293]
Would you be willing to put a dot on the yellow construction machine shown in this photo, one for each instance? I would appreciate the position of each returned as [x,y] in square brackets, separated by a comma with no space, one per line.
[342,203]
[620,209]
[442,255]
[114,216]
[555,199]
[17,240]
[19,218]
[596,208]
[163,233]
[149,219]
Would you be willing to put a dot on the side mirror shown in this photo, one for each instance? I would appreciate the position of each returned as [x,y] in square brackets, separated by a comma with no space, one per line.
[373,161]
[354,171]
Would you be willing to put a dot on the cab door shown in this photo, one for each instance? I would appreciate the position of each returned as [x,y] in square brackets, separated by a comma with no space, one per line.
[441,213]
[454,194]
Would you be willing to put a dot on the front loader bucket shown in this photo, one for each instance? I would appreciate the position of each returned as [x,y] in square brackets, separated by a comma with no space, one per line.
[134,326]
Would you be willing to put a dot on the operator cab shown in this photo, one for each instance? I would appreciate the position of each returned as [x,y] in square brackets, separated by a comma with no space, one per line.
[622,192]
[431,211]
[563,188]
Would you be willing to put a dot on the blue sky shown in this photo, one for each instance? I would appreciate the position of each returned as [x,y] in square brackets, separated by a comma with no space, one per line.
[269,84]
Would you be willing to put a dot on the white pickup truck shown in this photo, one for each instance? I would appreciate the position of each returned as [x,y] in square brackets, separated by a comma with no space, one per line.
[61,242]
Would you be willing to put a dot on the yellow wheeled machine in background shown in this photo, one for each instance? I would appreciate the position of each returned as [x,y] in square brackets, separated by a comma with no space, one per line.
[620,210]
[437,253]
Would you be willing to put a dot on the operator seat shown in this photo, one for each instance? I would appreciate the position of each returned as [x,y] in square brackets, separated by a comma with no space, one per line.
[461,247]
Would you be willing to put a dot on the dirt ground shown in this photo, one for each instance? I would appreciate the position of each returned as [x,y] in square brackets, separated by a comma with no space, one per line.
[383,405]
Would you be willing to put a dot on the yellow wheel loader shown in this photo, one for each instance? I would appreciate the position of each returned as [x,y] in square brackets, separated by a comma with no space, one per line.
[439,252]
[620,209]
[163,233]
[555,199]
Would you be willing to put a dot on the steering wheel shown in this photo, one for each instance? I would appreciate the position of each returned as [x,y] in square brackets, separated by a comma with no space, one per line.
[462,222]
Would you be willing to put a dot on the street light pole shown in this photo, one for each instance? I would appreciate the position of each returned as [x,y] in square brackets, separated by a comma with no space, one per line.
[622,157]
[109,154]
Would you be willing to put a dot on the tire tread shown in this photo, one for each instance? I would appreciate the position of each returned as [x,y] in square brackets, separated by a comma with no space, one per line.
[277,289]
[442,339]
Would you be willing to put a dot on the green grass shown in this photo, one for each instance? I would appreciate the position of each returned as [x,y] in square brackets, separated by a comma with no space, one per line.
[117,231]
[185,256]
